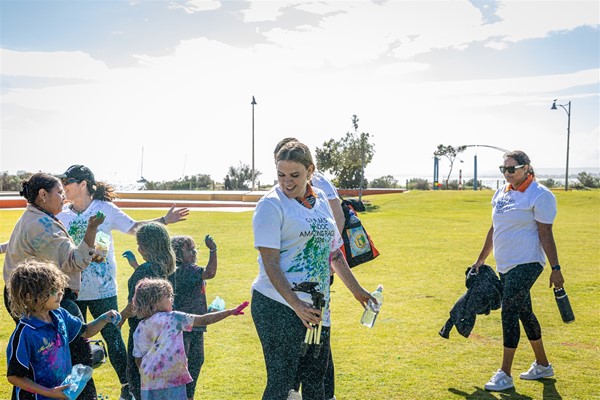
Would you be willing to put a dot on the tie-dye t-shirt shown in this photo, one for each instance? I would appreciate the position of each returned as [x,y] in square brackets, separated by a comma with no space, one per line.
[158,341]
[99,280]
[305,239]
[39,350]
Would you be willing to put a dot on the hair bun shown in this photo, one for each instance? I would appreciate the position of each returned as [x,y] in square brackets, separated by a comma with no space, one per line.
[25,189]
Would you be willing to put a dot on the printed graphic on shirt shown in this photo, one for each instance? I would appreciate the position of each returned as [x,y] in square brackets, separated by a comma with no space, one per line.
[97,276]
[504,204]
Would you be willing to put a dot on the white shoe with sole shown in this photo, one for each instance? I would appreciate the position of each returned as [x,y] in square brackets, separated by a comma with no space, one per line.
[499,381]
[537,372]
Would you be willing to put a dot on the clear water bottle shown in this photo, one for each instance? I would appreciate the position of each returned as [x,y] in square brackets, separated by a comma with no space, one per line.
[370,315]
[564,305]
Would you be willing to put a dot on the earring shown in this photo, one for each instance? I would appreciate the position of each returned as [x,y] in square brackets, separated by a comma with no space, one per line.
[44,199]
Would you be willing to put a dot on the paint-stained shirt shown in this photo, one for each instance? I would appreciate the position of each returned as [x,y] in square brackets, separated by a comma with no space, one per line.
[305,239]
[190,291]
[158,341]
[36,234]
[39,350]
[99,280]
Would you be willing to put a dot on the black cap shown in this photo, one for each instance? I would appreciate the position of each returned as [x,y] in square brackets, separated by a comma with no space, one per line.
[79,172]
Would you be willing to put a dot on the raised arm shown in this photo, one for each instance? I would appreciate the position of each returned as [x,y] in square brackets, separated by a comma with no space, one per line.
[173,216]
[211,268]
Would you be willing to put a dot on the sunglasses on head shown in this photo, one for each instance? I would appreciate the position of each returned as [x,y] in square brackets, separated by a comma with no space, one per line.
[67,181]
[511,169]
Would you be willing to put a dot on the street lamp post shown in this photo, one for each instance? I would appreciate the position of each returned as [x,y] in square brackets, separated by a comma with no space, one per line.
[253,174]
[568,111]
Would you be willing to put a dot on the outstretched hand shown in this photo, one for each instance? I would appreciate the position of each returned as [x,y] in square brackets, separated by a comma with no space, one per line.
[174,215]
[239,309]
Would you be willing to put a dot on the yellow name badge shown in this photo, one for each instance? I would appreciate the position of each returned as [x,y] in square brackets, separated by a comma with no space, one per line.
[359,243]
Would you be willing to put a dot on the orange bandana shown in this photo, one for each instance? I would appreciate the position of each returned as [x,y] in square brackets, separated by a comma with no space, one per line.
[523,186]
[309,199]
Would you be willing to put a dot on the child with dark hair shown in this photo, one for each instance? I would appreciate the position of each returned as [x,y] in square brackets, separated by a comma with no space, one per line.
[158,341]
[189,280]
[38,354]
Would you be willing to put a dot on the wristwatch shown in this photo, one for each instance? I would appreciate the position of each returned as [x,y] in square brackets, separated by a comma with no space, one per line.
[556,268]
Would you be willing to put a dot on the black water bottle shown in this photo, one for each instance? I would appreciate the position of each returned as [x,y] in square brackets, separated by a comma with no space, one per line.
[564,306]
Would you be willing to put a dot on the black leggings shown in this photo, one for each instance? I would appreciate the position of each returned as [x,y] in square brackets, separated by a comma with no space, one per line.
[516,304]
[281,333]
[111,334]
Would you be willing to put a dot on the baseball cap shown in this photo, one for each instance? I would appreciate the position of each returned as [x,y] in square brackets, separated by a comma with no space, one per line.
[80,173]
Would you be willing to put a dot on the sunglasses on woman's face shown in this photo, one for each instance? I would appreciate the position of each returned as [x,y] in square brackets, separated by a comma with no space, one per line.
[68,181]
[511,169]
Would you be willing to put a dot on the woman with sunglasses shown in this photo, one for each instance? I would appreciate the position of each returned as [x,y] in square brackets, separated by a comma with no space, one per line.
[99,282]
[523,212]
[39,234]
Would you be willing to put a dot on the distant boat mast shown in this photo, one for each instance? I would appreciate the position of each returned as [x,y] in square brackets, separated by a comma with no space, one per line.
[142,179]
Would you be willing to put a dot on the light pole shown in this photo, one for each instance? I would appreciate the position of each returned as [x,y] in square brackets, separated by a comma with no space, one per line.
[568,111]
[253,174]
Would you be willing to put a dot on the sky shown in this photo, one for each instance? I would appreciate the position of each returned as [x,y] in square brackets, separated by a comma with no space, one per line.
[102,82]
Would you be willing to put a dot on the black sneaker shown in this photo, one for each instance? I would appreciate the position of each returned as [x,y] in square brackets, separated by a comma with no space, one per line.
[125,393]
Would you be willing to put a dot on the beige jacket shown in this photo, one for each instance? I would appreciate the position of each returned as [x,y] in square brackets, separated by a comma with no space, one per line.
[36,234]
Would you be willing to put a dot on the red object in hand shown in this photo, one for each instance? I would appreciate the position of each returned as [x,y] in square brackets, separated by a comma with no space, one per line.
[238,309]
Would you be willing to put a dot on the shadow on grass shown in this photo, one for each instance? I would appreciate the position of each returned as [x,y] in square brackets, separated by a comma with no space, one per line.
[482,394]
[549,393]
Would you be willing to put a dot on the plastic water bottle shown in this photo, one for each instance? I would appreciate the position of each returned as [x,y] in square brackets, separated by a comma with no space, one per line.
[370,315]
[564,305]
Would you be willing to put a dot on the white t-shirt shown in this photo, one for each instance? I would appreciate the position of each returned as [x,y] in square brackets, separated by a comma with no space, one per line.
[319,181]
[99,280]
[514,216]
[305,239]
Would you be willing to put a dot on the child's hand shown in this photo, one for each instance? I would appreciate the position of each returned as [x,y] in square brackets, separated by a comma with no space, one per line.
[128,254]
[239,309]
[58,392]
[111,316]
[209,242]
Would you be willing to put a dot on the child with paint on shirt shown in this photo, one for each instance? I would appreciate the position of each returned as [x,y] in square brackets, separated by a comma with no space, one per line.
[158,340]
[38,355]
[190,297]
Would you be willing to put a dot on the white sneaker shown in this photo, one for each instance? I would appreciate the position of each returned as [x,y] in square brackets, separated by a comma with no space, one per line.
[293,395]
[500,381]
[537,372]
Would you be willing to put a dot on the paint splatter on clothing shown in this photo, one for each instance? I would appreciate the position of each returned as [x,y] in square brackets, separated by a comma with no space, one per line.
[99,280]
[158,341]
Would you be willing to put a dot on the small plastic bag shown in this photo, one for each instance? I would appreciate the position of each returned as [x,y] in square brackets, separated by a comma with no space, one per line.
[101,247]
[218,304]
[79,377]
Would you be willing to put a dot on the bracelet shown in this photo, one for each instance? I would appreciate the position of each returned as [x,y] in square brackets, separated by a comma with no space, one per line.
[212,250]
[163,221]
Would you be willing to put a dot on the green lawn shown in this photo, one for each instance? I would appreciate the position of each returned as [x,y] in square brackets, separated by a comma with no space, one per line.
[426,240]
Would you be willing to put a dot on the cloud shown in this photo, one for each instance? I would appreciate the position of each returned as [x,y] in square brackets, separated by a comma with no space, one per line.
[194,6]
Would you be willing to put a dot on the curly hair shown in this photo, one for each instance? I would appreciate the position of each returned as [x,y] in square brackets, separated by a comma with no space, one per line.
[153,239]
[148,294]
[30,188]
[178,243]
[30,286]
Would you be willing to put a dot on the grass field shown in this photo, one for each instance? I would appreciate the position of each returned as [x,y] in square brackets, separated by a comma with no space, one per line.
[426,240]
